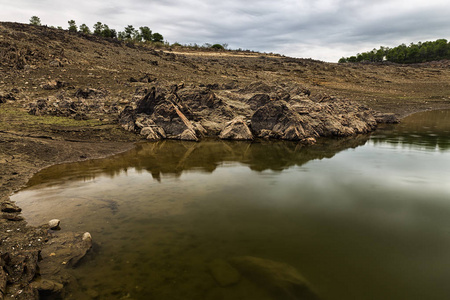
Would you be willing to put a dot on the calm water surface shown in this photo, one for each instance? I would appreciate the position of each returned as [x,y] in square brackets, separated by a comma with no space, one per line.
[360,218]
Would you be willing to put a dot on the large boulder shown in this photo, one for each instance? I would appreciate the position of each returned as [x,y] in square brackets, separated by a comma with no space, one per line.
[277,118]
[283,281]
[258,100]
[236,129]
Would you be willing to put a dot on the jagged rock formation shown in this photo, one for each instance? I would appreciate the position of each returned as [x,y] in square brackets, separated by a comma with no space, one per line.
[258,110]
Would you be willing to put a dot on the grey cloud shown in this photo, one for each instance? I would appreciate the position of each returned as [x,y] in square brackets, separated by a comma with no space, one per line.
[322,29]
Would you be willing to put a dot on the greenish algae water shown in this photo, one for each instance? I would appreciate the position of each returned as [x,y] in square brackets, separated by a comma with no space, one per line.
[360,218]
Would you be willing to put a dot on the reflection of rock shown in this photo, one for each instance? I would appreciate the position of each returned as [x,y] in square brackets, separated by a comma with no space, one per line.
[223,273]
[237,129]
[282,280]
[174,157]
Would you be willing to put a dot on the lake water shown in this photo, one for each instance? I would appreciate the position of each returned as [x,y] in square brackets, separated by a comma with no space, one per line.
[360,218]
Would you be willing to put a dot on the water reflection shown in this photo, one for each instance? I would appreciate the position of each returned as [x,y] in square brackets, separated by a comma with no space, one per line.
[426,130]
[175,157]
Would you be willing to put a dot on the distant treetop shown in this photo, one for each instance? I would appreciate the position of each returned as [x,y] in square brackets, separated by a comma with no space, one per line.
[130,34]
[414,53]
[34,20]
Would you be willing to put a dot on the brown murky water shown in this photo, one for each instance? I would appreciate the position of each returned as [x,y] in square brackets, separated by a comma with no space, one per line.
[360,218]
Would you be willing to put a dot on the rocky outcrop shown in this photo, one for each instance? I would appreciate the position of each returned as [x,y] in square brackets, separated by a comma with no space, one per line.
[161,114]
[179,112]
[275,112]
[236,129]
[282,280]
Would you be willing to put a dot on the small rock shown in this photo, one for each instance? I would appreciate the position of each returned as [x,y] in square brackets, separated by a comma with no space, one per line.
[224,273]
[54,224]
[55,63]
[86,237]
[12,217]
[9,207]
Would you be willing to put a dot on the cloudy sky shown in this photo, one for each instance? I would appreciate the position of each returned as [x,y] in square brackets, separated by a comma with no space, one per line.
[319,29]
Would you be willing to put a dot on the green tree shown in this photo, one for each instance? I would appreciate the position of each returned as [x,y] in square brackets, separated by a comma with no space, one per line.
[157,37]
[113,33]
[106,32]
[98,28]
[217,47]
[129,32]
[146,33]
[35,20]
[72,26]
[85,29]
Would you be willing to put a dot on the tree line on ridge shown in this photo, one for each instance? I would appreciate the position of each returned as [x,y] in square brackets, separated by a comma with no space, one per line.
[414,53]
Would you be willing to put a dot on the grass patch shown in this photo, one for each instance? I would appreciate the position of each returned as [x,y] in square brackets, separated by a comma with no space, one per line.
[14,117]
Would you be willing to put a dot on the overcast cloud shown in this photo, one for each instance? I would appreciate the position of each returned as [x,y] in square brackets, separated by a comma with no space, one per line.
[319,29]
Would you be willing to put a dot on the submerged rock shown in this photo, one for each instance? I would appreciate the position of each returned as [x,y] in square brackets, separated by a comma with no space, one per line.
[224,274]
[48,288]
[282,280]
